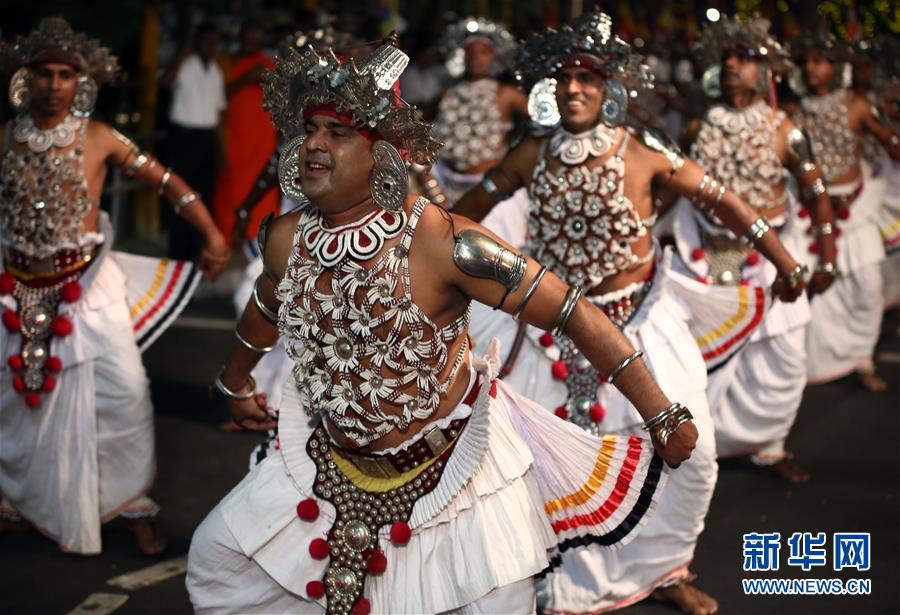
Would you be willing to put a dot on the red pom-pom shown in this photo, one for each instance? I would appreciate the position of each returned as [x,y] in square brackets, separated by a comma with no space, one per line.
[308,509]
[843,213]
[813,248]
[598,413]
[377,563]
[19,384]
[559,370]
[400,532]
[703,280]
[546,340]
[11,320]
[697,254]
[318,548]
[49,383]
[61,326]
[7,283]
[53,364]
[70,292]
[804,212]
[753,258]
[602,378]
[362,607]
[838,231]
[561,412]
[315,589]
[745,282]
[32,399]
[16,363]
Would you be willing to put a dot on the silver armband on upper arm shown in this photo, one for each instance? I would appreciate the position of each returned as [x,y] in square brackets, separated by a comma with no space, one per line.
[493,191]
[480,256]
[657,140]
[800,150]
[262,237]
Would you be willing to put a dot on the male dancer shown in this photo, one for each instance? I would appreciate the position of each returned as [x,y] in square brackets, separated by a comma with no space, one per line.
[408,478]
[590,217]
[845,322]
[754,149]
[475,116]
[76,423]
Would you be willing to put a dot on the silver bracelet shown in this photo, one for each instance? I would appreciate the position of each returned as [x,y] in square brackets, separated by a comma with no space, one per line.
[667,422]
[185,200]
[796,275]
[823,229]
[242,340]
[713,187]
[756,231]
[164,180]
[268,314]
[625,363]
[565,311]
[224,390]
[136,164]
[829,268]
[718,200]
[493,191]
[817,187]
[700,187]
[528,293]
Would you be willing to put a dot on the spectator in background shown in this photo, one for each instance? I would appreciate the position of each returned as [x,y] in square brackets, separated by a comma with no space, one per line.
[193,146]
[250,137]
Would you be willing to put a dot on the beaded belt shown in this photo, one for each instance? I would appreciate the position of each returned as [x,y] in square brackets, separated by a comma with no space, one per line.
[60,263]
[431,445]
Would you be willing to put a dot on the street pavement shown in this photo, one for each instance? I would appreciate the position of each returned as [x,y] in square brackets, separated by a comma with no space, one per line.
[847,437]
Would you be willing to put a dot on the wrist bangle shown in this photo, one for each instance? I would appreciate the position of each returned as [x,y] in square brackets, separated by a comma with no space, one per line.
[249,346]
[822,230]
[829,268]
[139,161]
[164,180]
[226,392]
[184,201]
[796,275]
[667,422]
[625,363]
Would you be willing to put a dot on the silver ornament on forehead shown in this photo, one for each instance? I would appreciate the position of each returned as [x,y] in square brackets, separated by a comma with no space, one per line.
[542,106]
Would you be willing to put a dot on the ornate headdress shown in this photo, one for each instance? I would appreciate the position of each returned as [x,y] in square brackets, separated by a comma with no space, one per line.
[365,91]
[55,41]
[822,40]
[752,37]
[322,38]
[472,29]
[590,41]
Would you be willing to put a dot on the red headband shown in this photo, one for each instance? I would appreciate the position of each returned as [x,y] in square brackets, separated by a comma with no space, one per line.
[343,118]
[584,60]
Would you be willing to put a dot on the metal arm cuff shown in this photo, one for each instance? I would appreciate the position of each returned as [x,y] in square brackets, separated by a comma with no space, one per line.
[224,390]
[260,350]
[565,311]
[625,363]
[268,314]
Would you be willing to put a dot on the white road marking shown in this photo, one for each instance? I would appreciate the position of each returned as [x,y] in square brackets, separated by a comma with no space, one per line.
[99,604]
[150,575]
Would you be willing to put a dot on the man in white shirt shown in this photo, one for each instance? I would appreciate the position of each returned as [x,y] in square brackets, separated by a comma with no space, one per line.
[194,147]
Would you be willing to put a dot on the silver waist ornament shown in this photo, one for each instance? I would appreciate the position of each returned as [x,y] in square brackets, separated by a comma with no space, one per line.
[44,198]
[825,120]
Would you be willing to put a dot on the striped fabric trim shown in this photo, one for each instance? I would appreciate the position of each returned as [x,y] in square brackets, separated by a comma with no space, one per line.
[891,237]
[615,498]
[156,299]
[724,341]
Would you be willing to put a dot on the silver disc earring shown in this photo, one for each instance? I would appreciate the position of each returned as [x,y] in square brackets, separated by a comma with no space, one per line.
[85,96]
[19,95]
[615,103]
[390,180]
[289,169]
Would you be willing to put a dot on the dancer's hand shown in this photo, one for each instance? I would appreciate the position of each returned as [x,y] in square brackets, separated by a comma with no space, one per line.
[819,282]
[679,445]
[790,284]
[252,413]
[215,255]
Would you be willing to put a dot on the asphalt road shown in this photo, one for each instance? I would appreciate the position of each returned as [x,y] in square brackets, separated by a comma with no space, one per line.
[847,437]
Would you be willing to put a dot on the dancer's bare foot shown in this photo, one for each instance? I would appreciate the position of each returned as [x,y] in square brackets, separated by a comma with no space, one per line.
[871,381]
[786,470]
[687,598]
[149,539]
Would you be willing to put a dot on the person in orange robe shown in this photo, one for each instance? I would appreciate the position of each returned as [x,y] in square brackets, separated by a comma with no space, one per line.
[250,139]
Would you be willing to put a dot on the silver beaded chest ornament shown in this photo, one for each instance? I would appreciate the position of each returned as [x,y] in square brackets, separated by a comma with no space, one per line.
[825,120]
[470,125]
